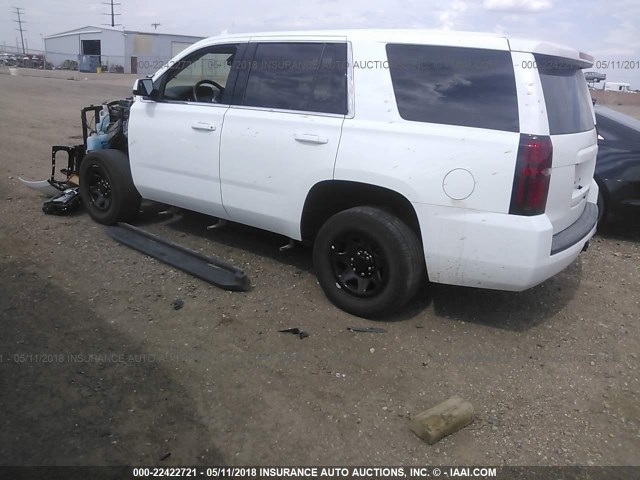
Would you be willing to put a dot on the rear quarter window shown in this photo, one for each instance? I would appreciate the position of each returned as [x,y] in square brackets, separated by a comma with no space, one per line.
[455,86]
[566,95]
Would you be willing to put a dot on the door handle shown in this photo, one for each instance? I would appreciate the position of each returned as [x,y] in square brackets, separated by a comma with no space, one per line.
[309,138]
[203,126]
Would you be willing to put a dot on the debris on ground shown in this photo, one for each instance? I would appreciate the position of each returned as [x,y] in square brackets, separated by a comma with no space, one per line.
[177,304]
[366,329]
[210,269]
[41,186]
[63,203]
[444,419]
[295,331]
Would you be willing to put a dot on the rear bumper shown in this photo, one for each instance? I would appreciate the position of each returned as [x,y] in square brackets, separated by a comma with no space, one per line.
[498,251]
[576,232]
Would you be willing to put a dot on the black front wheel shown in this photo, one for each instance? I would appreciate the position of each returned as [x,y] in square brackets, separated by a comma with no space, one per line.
[106,187]
[368,262]
[99,185]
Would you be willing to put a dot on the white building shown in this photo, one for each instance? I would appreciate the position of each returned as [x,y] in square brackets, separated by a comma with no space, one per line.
[118,50]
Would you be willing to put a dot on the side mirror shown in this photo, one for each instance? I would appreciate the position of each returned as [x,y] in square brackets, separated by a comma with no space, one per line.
[143,87]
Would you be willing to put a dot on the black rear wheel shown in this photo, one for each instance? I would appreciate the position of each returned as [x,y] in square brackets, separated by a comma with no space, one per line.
[106,187]
[368,262]
[359,264]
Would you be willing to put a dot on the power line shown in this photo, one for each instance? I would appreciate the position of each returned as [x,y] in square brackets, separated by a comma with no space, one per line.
[112,14]
[19,21]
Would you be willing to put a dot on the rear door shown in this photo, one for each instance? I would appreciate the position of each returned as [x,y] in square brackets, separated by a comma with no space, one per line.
[573,135]
[281,137]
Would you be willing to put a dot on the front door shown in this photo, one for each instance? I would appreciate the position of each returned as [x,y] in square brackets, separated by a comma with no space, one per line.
[174,140]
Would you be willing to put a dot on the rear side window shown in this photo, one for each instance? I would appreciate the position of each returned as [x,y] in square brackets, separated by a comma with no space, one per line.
[308,77]
[565,94]
[455,86]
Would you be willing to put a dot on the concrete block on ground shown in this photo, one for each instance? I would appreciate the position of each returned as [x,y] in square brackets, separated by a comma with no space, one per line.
[444,419]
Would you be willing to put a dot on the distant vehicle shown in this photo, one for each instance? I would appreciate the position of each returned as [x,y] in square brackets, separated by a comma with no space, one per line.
[596,77]
[7,59]
[618,163]
[617,87]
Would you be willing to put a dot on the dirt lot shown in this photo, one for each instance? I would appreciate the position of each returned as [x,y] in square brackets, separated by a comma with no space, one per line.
[628,103]
[96,367]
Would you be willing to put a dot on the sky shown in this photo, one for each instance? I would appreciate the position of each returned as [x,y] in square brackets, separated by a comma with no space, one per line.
[605,29]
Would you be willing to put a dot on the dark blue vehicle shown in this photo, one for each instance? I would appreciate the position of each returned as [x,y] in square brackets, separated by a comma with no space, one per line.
[618,163]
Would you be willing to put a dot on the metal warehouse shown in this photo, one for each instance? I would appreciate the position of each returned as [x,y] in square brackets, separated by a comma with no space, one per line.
[92,49]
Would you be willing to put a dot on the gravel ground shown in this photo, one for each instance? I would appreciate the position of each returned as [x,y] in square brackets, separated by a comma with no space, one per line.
[97,368]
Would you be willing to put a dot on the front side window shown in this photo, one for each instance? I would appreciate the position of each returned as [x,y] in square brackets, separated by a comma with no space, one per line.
[202,76]
[308,77]
[455,86]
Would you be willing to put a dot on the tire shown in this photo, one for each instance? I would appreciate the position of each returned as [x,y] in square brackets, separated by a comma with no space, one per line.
[368,262]
[106,187]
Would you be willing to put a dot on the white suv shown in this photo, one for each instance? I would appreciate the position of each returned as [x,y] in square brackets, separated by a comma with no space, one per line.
[396,153]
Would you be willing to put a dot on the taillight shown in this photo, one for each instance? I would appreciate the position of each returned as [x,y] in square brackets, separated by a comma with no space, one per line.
[531,179]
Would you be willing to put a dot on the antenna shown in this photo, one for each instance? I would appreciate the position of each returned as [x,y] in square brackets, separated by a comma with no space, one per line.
[112,14]
[19,21]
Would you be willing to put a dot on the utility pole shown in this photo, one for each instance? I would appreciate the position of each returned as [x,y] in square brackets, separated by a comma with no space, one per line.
[44,53]
[19,21]
[112,14]
[155,25]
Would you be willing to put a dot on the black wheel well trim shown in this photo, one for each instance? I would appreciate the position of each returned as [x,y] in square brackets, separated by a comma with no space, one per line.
[105,155]
[328,197]
[604,191]
[106,150]
[602,188]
